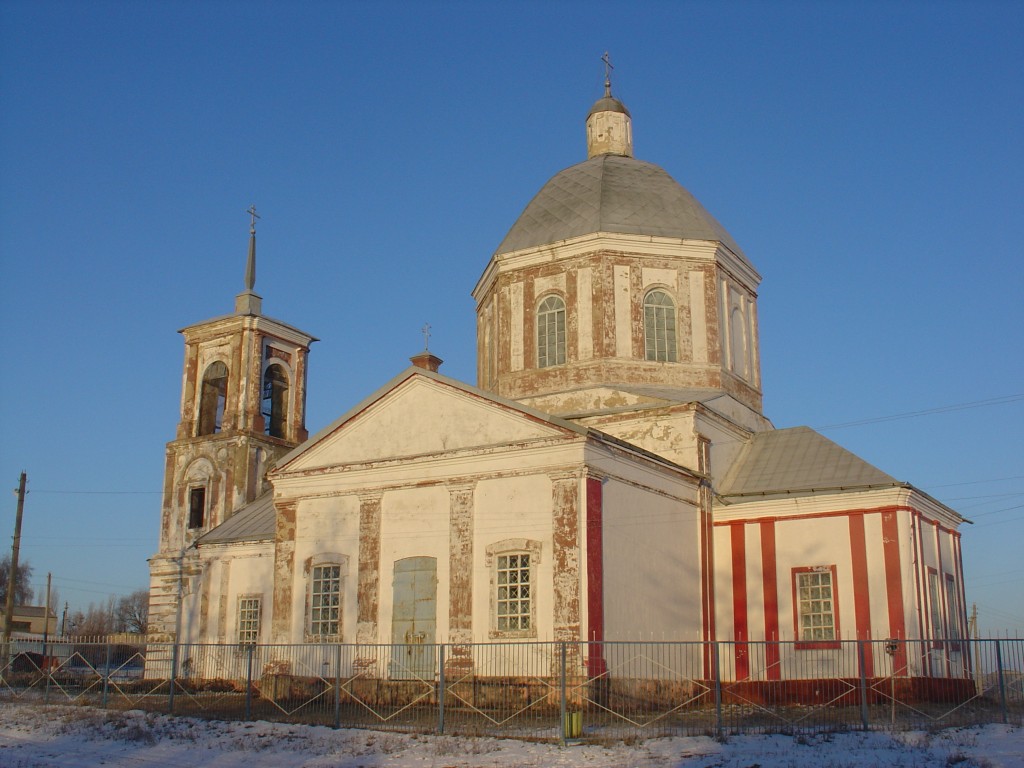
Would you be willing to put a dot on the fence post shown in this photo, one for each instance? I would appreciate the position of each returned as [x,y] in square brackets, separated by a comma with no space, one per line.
[1002,683]
[174,677]
[106,675]
[562,702]
[440,688]
[718,691]
[249,648]
[337,685]
[863,685]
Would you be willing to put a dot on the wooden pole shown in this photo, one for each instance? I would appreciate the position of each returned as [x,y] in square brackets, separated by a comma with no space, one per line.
[46,622]
[9,613]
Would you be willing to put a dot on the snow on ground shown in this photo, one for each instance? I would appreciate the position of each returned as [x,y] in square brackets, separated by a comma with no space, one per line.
[82,737]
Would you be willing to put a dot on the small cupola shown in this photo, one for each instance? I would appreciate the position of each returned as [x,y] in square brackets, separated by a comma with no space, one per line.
[609,124]
[425,359]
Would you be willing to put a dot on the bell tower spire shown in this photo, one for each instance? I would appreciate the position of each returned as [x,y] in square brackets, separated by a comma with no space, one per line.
[248,302]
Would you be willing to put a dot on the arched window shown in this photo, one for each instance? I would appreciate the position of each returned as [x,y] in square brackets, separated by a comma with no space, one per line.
[275,401]
[551,332]
[213,398]
[660,327]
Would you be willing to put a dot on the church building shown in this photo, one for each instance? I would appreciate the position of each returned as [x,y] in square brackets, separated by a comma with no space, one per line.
[611,475]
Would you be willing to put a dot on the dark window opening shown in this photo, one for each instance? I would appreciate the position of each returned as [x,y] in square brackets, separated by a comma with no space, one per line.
[275,401]
[196,507]
[213,398]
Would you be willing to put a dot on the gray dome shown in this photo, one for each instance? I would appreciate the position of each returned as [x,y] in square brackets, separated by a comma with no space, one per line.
[611,193]
[608,104]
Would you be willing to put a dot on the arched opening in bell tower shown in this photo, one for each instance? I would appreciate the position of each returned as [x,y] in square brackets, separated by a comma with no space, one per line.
[275,401]
[213,399]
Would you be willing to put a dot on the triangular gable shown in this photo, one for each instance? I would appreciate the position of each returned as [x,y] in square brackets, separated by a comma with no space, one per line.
[798,460]
[422,413]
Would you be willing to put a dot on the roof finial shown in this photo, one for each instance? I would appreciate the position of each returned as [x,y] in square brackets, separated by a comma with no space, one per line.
[250,266]
[426,359]
[607,74]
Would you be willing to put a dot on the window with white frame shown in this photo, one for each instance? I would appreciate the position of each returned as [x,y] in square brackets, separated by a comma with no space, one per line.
[325,600]
[659,327]
[513,599]
[551,332]
[513,564]
[249,615]
[815,604]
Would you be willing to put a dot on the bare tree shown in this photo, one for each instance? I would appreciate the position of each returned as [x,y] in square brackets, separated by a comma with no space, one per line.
[133,612]
[22,587]
[98,620]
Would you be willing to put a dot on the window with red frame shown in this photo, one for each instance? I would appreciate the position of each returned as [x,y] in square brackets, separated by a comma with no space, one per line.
[814,606]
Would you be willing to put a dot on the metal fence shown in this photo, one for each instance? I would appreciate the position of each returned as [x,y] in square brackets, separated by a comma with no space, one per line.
[545,690]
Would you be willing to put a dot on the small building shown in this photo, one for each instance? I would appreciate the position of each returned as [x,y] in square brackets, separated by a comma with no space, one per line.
[30,619]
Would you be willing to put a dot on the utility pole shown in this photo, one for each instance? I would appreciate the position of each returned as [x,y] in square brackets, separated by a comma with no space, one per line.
[46,622]
[972,633]
[9,615]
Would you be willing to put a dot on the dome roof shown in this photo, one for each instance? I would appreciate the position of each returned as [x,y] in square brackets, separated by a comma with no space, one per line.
[616,194]
[608,104]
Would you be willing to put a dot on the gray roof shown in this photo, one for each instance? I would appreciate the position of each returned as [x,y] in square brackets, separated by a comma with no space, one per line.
[253,522]
[608,104]
[798,460]
[616,194]
[31,611]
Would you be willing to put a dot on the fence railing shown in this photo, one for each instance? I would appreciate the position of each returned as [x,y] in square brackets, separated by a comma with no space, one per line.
[542,690]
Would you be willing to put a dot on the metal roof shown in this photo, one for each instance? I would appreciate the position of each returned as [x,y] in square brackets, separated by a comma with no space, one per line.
[798,460]
[31,611]
[615,194]
[253,522]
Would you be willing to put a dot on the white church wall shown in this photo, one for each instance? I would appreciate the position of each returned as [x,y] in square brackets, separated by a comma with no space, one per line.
[818,543]
[879,559]
[414,523]
[513,514]
[651,565]
[878,591]
[326,530]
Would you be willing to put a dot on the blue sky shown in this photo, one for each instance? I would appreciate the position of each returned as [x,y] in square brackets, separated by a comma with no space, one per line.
[866,156]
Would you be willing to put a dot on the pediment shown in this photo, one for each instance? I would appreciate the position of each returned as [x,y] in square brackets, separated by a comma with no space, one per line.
[419,416]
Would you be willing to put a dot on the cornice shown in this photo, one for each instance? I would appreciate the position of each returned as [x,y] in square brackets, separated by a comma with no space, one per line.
[229,324]
[639,245]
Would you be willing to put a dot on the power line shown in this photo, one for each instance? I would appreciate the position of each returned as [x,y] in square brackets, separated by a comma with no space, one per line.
[929,411]
[98,493]
[979,482]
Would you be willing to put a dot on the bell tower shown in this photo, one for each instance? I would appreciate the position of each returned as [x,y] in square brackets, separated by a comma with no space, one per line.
[243,403]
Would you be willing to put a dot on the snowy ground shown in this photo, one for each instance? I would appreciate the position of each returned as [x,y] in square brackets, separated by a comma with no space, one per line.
[79,737]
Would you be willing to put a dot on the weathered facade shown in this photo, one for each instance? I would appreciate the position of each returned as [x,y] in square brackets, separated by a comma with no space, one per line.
[611,477]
